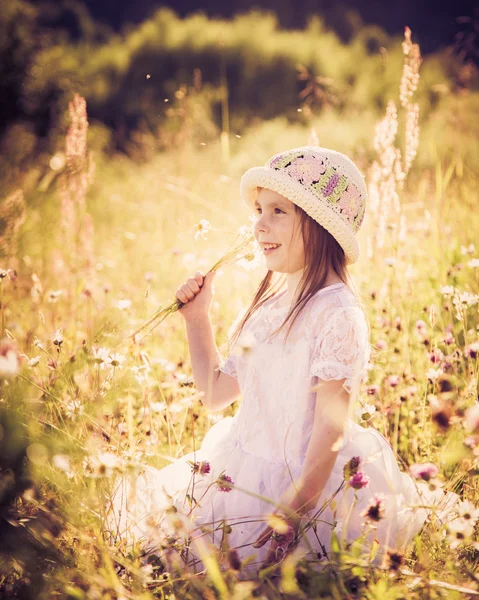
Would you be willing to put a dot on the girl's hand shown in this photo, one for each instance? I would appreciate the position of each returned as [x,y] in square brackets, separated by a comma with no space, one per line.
[280,545]
[196,294]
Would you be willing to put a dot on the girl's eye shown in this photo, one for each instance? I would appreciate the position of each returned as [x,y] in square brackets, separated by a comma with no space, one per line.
[258,210]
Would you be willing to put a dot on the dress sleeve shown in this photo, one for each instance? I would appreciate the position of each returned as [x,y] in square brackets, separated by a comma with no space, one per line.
[229,366]
[341,347]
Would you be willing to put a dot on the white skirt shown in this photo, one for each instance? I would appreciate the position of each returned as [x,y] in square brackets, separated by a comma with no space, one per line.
[140,508]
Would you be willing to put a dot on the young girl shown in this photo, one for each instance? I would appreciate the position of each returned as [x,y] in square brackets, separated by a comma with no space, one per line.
[299,354]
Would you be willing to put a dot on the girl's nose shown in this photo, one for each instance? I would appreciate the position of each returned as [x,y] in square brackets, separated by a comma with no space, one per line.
[261,224]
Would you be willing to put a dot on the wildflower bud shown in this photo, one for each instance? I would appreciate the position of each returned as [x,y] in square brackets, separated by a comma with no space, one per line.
[359,480]
[441,415]
[203,468]
[472,350]
[374,512]
[234,560]
[435,356]
[425,471]
[393,380]
[352,467]
[395,560]
[57,339]
[421,327]
[381,345]
[224,483]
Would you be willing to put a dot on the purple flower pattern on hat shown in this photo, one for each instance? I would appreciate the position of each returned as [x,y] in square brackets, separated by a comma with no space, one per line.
[325,182]
[306,169]
[350,202]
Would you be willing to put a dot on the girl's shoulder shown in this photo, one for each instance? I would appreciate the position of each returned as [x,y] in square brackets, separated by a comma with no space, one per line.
[336,303]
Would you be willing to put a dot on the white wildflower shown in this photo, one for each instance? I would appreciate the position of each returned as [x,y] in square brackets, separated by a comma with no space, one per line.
[465,250]
[166,364]
[459,531]
[73,408]
[390,261]
[123,304]
[447,290]
[468,512]
[365,412]
[251,261]
[107,462]
[142,374]
[411,273]
[202,228]
[434,374]
[116,360]
[33,362]
[62,462]
[467,299]
[474,263]
[54,295]
[122,428]
[38,344]
[462,301]
[100,356]
[244,230]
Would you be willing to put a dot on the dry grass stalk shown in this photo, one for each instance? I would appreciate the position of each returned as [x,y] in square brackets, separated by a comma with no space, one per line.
[388,172]
[236,252]
[77,226]
[12,215]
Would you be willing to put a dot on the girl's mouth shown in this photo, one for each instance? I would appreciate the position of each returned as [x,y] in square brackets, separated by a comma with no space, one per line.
[270,249]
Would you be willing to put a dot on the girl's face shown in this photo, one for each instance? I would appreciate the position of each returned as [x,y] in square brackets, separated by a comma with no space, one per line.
[279,223]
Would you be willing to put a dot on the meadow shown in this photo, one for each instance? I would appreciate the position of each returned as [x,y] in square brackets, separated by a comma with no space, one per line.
[94,244]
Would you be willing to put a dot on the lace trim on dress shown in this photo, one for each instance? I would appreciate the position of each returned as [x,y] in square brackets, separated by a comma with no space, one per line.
[229,366]
[342,348]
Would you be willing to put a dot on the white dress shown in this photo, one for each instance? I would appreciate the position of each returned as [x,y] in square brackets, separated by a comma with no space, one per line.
[262,448]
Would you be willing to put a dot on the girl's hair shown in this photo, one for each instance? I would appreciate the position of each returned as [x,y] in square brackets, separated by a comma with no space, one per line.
[322,252]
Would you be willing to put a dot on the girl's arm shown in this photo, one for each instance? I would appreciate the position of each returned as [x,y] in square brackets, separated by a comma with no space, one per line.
[220,390]
[330,416]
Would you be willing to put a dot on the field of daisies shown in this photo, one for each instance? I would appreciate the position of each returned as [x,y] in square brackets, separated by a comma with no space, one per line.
[95,375]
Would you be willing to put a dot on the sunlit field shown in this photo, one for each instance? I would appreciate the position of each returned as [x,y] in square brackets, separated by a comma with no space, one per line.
[94,243]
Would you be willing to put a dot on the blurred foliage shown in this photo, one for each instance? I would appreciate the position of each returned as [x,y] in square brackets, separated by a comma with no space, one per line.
[143,85]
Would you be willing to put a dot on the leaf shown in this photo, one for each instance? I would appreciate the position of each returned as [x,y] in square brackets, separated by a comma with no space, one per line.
[374,549]
[335,547]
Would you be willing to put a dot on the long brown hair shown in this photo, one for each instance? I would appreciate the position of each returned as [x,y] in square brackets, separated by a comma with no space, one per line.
[322,253]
